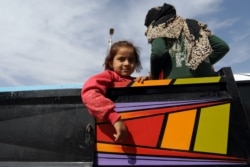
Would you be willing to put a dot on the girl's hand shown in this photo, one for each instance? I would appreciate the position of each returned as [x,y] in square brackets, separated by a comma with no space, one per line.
[141,79]
[121,131]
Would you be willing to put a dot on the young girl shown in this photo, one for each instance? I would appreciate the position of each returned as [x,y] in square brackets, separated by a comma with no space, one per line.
[122,60]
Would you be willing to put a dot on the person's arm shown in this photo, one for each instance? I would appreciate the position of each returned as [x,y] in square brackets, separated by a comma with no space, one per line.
[220,48]
[159,50]
[93,96]
[102,108]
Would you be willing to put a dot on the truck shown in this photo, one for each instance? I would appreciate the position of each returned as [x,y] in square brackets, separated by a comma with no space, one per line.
[200,121]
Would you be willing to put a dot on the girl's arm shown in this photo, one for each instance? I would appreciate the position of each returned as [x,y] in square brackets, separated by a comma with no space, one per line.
[93,96]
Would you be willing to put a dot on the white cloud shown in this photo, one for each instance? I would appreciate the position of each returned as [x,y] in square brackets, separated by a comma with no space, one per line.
[61,41]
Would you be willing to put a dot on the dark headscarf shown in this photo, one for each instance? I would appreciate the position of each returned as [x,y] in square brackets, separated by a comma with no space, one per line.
[160,14]
[164,13]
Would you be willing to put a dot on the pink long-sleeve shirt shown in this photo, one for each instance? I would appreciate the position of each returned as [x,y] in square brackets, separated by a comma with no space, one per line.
[93,95]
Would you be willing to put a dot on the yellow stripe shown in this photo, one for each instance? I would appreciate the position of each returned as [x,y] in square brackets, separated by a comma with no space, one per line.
[197,80]
[212,133]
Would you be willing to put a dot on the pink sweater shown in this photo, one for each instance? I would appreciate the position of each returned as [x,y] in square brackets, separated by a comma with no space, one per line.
[93,95]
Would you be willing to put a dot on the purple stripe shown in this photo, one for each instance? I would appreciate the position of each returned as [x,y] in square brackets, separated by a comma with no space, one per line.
[149,105]
[113,159]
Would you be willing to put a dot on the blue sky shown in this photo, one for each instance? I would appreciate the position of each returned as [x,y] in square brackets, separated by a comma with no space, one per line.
[48,42]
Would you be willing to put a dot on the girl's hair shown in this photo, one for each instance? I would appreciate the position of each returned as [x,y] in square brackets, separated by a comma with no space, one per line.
[114,49]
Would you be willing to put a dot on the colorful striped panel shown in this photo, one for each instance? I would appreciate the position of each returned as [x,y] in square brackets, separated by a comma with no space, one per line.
[175,131]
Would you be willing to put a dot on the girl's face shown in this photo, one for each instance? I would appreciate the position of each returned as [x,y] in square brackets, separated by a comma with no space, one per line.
[124,61]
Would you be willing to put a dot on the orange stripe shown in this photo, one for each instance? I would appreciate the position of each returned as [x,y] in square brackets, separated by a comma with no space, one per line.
[114,148]
[179,129]
[152,83]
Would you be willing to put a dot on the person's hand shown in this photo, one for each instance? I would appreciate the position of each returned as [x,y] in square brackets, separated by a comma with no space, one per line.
[141,79]
[121,131]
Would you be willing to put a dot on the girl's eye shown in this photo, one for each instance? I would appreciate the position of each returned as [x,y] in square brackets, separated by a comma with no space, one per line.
[121,59]
[124,58]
